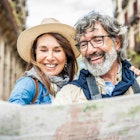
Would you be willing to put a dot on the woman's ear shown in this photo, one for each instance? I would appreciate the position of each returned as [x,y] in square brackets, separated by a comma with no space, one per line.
[117,43]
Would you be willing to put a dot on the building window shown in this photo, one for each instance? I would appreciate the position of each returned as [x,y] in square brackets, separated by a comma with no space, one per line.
[137,42]
[135,8]
[126,18]
[124,3]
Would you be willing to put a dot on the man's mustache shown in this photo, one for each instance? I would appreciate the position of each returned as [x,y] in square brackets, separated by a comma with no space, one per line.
[95,54]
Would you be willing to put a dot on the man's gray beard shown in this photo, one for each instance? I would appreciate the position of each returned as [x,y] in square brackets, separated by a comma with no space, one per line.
[104,67]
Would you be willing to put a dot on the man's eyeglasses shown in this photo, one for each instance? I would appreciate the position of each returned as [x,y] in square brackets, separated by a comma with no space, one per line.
[96,42]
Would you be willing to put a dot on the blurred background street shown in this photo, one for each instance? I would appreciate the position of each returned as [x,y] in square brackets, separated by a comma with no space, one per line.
[17,15]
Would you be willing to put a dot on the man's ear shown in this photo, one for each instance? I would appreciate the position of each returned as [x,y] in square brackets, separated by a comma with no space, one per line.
[117,43]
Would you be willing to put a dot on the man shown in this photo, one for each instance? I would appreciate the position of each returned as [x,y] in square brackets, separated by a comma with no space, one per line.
[102,43]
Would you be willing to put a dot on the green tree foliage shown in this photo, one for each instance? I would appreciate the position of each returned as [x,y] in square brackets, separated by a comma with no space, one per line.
[134,58]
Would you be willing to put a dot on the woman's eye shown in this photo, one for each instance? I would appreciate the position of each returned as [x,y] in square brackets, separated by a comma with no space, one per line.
[57,50]
[43,50]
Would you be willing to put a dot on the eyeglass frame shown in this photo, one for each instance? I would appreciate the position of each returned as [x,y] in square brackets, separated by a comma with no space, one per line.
[95,46]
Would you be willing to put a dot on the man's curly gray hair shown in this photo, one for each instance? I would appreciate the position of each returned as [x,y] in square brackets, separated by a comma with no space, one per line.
[110,25]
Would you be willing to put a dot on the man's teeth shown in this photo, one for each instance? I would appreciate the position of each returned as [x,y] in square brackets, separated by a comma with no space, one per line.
[95,58]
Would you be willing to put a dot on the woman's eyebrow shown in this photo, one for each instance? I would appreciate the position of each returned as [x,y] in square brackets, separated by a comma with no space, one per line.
[43,46]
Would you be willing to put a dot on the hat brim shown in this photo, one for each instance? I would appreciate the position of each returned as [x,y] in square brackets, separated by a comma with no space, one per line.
[27,37]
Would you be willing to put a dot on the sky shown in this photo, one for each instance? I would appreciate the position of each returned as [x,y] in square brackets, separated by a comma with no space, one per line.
[66,11]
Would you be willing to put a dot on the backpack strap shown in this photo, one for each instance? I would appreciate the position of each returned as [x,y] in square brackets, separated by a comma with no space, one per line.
[93,88]
[36,90]
[136,87]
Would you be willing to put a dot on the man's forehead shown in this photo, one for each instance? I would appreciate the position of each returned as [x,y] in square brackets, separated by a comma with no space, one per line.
[91,29]
[95,27]
[96,30]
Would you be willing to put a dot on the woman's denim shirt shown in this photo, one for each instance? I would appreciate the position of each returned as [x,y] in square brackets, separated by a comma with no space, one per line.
[24,91]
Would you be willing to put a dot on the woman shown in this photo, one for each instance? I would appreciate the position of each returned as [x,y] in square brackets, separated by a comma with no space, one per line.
[49,49]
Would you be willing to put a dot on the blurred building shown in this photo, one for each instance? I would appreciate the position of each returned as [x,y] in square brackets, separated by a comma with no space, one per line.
[128,12]
[13,15]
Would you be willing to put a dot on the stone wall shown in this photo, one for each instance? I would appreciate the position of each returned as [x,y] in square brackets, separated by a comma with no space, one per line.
[106,119]
[12,22]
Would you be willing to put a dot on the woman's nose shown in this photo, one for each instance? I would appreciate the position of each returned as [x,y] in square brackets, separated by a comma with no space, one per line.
[50,56]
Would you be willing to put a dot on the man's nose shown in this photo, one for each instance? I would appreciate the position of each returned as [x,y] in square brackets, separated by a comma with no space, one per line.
[91,49]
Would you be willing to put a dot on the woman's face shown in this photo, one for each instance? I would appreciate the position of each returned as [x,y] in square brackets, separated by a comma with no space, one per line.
[50,54]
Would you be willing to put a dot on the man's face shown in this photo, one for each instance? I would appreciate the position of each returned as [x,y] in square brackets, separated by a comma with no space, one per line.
[100,52]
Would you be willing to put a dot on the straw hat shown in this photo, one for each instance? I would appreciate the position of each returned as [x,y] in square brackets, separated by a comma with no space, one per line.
[27,37]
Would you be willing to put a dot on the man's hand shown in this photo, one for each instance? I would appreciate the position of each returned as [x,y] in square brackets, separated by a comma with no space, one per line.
[135,70]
